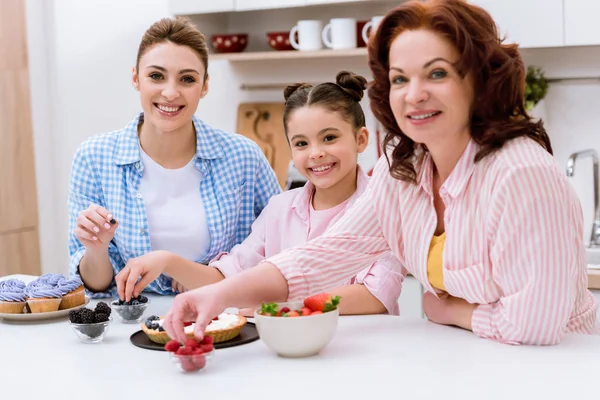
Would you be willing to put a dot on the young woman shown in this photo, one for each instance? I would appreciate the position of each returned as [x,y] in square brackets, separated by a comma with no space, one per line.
[325,126]
[167,182]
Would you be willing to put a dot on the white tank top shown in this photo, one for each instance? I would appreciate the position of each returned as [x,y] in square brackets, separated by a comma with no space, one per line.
[176,215]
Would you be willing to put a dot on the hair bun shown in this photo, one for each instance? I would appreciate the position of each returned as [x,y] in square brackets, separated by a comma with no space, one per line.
[291,89]
[353,84]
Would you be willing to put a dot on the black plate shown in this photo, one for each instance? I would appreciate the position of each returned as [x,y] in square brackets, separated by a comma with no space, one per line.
[247,335]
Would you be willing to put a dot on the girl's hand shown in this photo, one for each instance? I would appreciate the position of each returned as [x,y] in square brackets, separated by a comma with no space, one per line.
[448,310]
[199,305]
[95,227]
[178,287]
[140,272]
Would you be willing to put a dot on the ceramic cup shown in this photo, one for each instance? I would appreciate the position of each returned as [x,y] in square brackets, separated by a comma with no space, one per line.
[340,33]
[309,35]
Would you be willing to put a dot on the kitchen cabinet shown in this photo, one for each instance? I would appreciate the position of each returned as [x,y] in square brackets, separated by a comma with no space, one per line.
[530,23]
[315,2]
[581,26]
[182,7]
[247,5]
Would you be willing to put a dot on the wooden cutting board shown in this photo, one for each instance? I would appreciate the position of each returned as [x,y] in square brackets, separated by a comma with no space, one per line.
[263,123]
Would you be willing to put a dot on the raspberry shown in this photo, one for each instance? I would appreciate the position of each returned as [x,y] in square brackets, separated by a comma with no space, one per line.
[184,351]
[207,348]
[187,323]
[207,340]
[199,361]
[187,365]
[172,346]
[198,350]
[191,343]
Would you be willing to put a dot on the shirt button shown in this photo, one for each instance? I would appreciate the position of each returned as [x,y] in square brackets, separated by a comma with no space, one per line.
[139,196]
[138,165]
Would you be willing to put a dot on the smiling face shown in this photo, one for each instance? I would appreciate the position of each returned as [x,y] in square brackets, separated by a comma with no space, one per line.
[171,82]
[324,146]
[429,99]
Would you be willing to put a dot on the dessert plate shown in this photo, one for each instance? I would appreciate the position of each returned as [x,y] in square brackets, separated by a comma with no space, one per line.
[41,316]
[247,335]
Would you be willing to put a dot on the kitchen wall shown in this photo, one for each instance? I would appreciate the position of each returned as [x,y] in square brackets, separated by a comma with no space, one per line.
[81,54]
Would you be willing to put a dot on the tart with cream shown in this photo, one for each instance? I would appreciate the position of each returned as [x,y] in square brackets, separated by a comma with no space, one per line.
[224,327]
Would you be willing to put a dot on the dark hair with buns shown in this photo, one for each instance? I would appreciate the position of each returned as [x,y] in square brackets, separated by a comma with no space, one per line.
[342,97]
[498,112]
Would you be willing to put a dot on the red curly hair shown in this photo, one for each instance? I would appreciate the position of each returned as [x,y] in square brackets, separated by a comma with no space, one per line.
[498,111]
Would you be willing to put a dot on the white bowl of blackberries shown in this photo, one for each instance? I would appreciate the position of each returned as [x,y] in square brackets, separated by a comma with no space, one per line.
[89,325]
[132,311]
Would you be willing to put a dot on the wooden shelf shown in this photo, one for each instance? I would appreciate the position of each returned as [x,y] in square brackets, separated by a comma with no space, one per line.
[289,55]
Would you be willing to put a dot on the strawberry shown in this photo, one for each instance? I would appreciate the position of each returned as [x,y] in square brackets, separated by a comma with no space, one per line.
[172,346]
[316,312]
[305,311]
[285,310]
[191,343]
[216,318]
[269,309]
[207,340]
[187,323]
[184,351]
[293,314]
[322,302]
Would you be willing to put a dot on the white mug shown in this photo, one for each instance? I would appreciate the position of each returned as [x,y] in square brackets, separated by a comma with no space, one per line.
[372,24]
[309,35]
[343,33]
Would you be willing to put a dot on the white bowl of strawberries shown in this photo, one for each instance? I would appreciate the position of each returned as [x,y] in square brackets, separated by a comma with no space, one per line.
[298,328]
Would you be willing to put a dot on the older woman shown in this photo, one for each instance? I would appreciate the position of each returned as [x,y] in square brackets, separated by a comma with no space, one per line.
[470,199]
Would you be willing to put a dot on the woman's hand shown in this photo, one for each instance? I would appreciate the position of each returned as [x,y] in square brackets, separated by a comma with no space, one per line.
[95,227]
[140,272]
[199,305]
[448,310]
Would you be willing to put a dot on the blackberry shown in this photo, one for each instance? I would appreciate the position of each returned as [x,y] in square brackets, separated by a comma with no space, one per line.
[101,317]
[103,308]
[75,316]
[92,331]
[87,316]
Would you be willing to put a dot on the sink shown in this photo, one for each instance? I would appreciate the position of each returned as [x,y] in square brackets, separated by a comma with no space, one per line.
[593,258]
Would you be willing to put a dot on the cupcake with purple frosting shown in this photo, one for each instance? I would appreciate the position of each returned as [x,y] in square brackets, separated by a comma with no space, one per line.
[43,298]
[72,291]
[12,283]
[12,300]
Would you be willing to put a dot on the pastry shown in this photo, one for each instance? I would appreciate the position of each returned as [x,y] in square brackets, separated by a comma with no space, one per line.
[224,327]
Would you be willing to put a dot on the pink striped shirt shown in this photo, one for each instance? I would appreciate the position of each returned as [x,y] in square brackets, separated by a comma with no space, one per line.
[287,221]
[514,242]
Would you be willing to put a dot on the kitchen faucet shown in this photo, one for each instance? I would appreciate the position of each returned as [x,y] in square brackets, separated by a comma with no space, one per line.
[595,236]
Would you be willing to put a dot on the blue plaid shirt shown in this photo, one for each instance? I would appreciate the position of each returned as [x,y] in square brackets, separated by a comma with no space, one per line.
[237,182]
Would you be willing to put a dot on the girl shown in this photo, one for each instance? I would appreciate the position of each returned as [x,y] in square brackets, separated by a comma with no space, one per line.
[325,126]
[471,202]
[167,183]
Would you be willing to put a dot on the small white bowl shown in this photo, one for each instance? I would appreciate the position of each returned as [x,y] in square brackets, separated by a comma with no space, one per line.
[297,336]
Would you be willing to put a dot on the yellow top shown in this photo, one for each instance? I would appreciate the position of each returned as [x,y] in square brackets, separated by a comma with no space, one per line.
[435,274]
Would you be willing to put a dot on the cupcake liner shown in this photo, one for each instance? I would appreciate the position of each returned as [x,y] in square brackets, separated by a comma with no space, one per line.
[12,307]
[43,304]
[73,299]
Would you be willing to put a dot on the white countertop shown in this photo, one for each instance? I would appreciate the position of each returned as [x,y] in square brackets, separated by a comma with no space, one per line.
[370,357]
